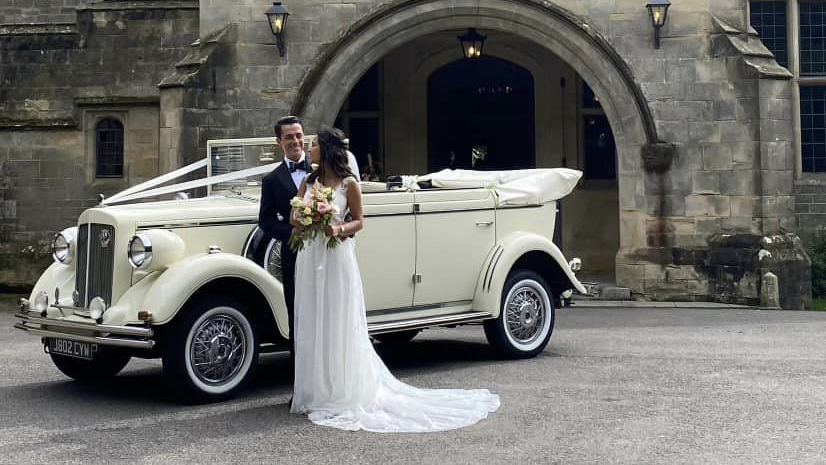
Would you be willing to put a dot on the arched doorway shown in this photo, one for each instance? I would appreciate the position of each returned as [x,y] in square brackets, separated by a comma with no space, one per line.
[480,115]
[551,29]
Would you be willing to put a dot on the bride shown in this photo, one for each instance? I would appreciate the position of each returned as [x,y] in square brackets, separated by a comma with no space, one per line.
[339,379]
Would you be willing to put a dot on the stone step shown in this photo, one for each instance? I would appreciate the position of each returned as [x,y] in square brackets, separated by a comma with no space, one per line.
[604,291]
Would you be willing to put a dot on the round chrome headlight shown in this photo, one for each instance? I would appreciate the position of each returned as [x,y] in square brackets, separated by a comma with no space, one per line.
[140,251]
[96,308]
[63,245]
[575,264]
[155,250]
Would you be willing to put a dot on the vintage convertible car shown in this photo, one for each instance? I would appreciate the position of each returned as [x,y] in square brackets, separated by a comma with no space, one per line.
[194,281]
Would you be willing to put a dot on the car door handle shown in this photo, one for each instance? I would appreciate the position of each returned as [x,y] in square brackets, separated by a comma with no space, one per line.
[484,223]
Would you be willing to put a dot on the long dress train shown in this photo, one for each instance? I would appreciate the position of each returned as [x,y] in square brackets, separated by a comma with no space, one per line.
[340,381]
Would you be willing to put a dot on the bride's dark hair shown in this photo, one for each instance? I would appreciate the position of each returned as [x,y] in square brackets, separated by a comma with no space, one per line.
[332,152]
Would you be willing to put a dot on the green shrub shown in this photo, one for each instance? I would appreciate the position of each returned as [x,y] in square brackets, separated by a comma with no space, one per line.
[817,252]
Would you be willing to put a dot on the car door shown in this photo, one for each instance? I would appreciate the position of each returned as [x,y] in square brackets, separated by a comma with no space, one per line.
[455,230]
[386,251]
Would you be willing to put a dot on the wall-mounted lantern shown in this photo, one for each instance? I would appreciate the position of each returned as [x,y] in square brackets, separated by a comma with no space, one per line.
[472,43]
[277,17]
[658,10]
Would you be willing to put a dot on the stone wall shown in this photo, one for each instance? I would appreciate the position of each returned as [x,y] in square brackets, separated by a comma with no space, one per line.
[57,83]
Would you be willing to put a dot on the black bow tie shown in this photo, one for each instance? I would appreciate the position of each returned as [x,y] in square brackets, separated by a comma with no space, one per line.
[299,165]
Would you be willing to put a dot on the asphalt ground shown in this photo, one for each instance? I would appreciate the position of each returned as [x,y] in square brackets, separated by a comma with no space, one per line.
[615,385]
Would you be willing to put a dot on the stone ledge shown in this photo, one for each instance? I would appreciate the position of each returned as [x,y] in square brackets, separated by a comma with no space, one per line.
[116,100]
[53,123]
[38,29]
[141,5]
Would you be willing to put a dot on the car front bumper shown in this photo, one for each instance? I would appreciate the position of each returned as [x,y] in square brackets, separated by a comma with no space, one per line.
[134,337]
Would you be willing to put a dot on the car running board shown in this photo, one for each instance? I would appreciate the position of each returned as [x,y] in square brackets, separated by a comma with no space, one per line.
[419,323]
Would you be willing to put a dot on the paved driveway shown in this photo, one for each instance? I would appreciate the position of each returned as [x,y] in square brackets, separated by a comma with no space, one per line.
[615,385]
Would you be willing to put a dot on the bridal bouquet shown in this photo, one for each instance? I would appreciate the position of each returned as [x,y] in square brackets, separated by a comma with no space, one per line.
[314,213]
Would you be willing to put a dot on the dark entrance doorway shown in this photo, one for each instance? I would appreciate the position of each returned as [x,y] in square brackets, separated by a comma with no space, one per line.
[480,115]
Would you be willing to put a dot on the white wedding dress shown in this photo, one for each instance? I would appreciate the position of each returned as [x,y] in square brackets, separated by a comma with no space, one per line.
[340,381]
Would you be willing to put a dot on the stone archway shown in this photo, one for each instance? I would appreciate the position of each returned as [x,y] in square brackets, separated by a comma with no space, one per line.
[548,26]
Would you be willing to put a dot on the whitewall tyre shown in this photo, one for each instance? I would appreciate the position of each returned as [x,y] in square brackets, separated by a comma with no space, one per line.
[211,351]
[526,317]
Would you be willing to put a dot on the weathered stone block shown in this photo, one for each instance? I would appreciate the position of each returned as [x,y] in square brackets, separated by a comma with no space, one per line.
[737,131]
[725,110]
[707,226]
[717,156]
[775,155]
[706,182]
[777,182]
[706,131]
[630,276]
[663,91]
[681,70]
[778,109]
[775,89]
[776,130]
[748,206]
[708,205]
[741,225]
[739,182]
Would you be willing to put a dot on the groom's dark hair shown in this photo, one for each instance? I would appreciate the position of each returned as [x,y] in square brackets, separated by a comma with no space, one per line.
[286,121]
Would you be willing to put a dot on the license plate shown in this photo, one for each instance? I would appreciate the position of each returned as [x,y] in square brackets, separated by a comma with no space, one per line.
[77,349]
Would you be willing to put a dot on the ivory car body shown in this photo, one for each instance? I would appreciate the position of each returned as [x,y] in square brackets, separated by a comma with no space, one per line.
[196,283]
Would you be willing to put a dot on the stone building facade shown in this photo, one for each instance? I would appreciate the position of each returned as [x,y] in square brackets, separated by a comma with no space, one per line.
[706,188]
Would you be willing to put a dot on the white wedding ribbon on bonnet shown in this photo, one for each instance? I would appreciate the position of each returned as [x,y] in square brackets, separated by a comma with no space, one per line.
[140,191]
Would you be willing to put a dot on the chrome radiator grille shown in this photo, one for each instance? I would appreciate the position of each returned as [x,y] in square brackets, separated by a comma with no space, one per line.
[95,262]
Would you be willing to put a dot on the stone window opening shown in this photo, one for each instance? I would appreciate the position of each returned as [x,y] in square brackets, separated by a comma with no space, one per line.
[795,31]
[109,148]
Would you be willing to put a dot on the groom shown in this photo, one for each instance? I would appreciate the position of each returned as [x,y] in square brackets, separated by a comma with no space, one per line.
[278,187]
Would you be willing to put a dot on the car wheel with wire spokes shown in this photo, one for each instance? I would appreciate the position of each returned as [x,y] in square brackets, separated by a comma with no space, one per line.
[212,349]
[526,317]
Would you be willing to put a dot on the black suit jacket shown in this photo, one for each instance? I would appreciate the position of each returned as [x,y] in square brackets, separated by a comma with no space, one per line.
[277,190]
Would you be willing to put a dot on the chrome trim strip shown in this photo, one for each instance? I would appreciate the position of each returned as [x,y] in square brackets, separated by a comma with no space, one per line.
[196,224]
[454,210]
[514,207]
[92,327]
[388,214]
[413,308]
[378,328]
[493,268]
[490,264]
[86,298]
[106,341]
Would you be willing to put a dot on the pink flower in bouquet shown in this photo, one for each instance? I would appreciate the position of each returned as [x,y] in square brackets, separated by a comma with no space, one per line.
[324,208]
